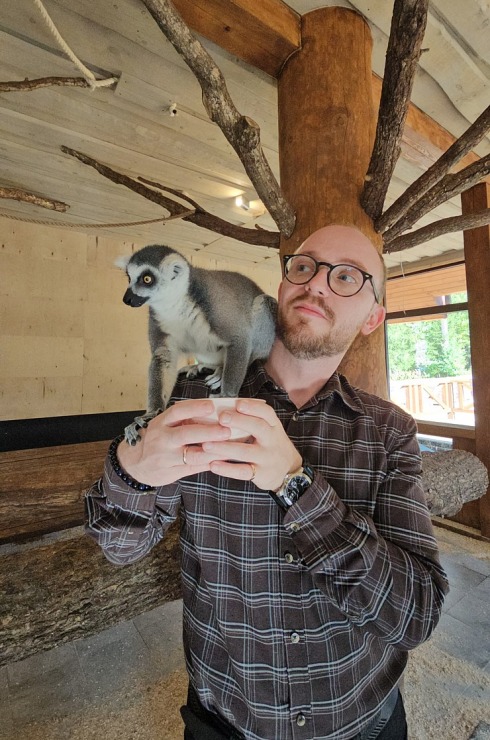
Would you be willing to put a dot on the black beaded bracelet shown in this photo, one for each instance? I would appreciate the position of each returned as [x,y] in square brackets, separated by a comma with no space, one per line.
[131,482]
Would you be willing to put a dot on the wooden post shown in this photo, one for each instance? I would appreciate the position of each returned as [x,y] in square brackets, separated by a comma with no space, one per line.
[477,261]
[326,133]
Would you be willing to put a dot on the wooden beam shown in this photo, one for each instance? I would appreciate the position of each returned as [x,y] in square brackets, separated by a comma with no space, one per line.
[263,33]
[477,258]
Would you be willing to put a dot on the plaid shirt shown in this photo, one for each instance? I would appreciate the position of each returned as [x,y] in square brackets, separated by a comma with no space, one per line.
[296,625]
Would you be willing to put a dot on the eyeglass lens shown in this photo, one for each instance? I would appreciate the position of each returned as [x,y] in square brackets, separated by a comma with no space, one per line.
[345,280]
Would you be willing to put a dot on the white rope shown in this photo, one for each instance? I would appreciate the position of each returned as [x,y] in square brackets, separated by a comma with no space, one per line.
[87,73]
[67,225]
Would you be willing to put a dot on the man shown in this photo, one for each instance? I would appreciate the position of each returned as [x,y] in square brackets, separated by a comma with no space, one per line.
[309,563]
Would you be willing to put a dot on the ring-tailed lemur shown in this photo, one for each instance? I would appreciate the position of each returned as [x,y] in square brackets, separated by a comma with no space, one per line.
[220,318]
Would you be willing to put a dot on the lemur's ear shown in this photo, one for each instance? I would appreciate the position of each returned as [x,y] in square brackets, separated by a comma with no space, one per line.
[122,262]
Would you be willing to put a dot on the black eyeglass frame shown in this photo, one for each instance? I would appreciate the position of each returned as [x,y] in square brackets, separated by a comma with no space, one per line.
[366,275]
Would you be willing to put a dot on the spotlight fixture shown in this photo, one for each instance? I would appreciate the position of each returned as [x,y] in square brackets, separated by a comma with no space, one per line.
[242,202]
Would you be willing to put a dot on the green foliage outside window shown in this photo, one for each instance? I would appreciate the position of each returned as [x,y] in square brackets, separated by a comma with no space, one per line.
[437,348]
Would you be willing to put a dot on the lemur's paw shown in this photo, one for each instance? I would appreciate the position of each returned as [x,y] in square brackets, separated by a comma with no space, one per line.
[190,371]
[131,432]
[213,381]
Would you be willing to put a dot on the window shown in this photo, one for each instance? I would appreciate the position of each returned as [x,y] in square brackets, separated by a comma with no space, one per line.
[428,345]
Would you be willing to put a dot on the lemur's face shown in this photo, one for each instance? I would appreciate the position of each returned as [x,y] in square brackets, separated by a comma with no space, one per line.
[149,283]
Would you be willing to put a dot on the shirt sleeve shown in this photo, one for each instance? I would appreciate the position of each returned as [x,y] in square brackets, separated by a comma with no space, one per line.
[126,523]
[383,572]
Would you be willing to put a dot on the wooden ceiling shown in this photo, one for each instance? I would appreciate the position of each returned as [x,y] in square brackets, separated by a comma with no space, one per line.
[131,127]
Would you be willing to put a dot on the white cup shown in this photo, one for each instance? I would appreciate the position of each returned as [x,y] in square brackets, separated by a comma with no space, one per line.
[221,404]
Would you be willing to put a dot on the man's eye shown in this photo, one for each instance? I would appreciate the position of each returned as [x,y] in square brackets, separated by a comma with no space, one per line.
[303,267]
[345,277]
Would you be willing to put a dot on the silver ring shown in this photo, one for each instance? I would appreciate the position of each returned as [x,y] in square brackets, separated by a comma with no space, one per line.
[254,470]
[184,454]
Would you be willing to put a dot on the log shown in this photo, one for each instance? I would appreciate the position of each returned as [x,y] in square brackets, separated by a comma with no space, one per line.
[58,585]
[64,590]
[451,479]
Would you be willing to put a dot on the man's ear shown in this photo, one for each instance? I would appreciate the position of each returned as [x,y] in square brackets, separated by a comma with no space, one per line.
[375,318]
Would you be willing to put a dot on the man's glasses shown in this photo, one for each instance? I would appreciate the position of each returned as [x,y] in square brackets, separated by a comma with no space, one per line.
[343,280]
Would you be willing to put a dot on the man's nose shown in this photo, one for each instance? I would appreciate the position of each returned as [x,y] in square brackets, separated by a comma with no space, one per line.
[318,285]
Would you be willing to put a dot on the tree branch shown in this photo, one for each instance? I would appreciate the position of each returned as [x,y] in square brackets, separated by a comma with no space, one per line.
[242,133]
[406,34]
[444,190]
[472,136]
[200,217]
[437,228]
[28,85]
[37,200]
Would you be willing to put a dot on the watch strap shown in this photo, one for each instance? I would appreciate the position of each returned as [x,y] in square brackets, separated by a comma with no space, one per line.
[293,486]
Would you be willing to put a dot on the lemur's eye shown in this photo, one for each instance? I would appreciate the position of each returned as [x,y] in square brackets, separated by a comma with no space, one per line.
[147,279]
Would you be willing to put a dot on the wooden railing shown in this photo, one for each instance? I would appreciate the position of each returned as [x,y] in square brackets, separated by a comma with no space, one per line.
[420,395]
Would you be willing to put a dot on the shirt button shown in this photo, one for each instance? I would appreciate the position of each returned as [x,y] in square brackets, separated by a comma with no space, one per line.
[295,637]
[301,720]
[288,557]
[295,527]
[295,416]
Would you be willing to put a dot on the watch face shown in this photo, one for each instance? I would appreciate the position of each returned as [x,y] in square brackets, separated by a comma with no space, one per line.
[295,486]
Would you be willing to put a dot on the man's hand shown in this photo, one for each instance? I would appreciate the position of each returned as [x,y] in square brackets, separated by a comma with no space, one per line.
[267,458]
[170,446]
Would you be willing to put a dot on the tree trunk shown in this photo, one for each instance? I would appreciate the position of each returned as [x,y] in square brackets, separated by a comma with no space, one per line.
[326,133]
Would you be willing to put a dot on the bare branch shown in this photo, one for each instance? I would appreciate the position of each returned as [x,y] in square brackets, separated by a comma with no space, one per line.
[242,133]
[444,190]
[406,34]
[37,200]
[472,136]
[437,228]
[173,191]
[28,85]
[200,217]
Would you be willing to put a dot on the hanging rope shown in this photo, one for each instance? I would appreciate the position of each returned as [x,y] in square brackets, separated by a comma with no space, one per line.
[87,73]
[66,225]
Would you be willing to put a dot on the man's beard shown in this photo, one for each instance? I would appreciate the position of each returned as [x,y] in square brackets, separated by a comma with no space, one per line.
[299,340]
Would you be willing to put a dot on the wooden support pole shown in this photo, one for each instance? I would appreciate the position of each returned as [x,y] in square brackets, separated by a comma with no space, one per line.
[326,134]
[477,260]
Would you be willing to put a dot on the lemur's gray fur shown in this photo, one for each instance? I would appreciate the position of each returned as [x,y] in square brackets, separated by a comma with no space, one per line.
[221,319]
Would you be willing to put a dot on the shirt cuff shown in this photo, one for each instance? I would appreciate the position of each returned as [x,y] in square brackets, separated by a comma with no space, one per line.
[312,520]
[119,494]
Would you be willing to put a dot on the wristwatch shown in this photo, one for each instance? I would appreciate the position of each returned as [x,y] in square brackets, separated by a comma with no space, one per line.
[293,486]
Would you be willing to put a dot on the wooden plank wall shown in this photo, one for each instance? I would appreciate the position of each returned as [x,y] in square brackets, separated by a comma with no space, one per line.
[68,344]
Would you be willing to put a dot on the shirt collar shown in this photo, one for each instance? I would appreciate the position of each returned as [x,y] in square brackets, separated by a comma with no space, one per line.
[337,384]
